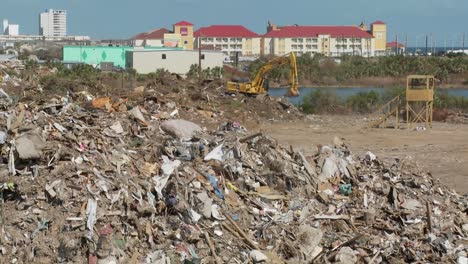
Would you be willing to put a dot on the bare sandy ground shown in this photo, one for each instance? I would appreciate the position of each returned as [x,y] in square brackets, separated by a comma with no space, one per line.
[442,150]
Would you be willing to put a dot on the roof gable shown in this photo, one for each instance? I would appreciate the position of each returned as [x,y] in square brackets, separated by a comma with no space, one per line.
[183,23]
[154,34]
[226,31]
[315,31]
[378,22]
[394,44]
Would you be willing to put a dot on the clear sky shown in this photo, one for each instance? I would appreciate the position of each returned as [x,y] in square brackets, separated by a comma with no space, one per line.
[445,19]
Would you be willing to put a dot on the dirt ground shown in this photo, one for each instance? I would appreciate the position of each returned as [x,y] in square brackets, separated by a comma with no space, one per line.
[442,150]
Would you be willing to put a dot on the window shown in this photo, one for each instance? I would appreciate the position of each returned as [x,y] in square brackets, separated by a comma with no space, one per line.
[379,35]
[309,40]
[203,56]
[218,39]
[185,42]
[164,56]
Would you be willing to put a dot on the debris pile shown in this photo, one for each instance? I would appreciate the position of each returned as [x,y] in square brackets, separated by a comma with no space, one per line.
[126,183]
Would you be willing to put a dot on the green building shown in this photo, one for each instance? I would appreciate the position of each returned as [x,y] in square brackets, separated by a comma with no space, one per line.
[94,55]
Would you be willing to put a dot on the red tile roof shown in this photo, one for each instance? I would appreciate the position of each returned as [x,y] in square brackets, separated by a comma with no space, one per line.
[183,23]
[226,31]
[314,31]
[378,22]
[394,44]
[155,34]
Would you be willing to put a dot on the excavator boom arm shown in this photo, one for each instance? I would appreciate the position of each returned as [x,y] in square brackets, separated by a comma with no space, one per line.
[257,85]
[293,76]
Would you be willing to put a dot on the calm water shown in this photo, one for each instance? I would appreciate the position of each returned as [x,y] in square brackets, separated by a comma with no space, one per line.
[345,92]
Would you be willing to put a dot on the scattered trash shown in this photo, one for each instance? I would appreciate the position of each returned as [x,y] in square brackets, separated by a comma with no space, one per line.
[29,146]
[137,186]
[257,256]
[345,189]
[181,129]
[346,255]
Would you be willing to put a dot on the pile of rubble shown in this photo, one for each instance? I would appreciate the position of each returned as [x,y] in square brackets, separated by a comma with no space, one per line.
[119,182]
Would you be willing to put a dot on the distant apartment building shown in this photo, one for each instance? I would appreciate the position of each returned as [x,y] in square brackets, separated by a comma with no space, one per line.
[333,41]
[53,23]
[395,48]
[327,40]
[230,39]
[154,38]
[379,32]
[185,30]
[10,29]
[181,36]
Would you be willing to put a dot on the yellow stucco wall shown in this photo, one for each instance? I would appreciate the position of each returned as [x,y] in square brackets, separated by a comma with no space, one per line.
[379,31]
[187,41]
[173,40]
[247,47]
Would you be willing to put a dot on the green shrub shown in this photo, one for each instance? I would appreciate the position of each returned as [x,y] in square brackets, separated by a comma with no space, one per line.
[320,101]
[364,102]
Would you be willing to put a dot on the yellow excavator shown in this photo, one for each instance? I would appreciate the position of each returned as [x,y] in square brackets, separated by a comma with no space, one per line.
[259,85]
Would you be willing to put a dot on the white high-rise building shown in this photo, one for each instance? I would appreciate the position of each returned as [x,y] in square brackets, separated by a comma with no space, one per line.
[5,27]
[10,29]
[53,23]
[13,30]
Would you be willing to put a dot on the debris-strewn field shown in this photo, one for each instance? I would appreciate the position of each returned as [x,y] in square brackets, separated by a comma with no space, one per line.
[442,150]
[177,172]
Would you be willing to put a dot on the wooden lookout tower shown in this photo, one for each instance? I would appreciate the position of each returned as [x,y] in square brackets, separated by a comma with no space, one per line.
[419,99]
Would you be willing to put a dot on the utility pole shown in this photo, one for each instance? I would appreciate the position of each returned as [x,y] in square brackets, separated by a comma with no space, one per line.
[396,45]
[463,42]
[427,39]
[406,44]
[445,43]
[199,59]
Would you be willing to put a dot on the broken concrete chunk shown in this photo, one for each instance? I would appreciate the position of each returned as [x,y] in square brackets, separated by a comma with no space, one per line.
[3,137]
[29,146]
[216,154]
[411,204]
[108,260]
[346,255]
[462,260]
[117,127]
[308,238]
[257,256]
[370,156]
[136,113]
[181,129]
[329,169]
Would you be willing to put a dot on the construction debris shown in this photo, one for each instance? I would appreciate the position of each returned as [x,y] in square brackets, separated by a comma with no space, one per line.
[85,184]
